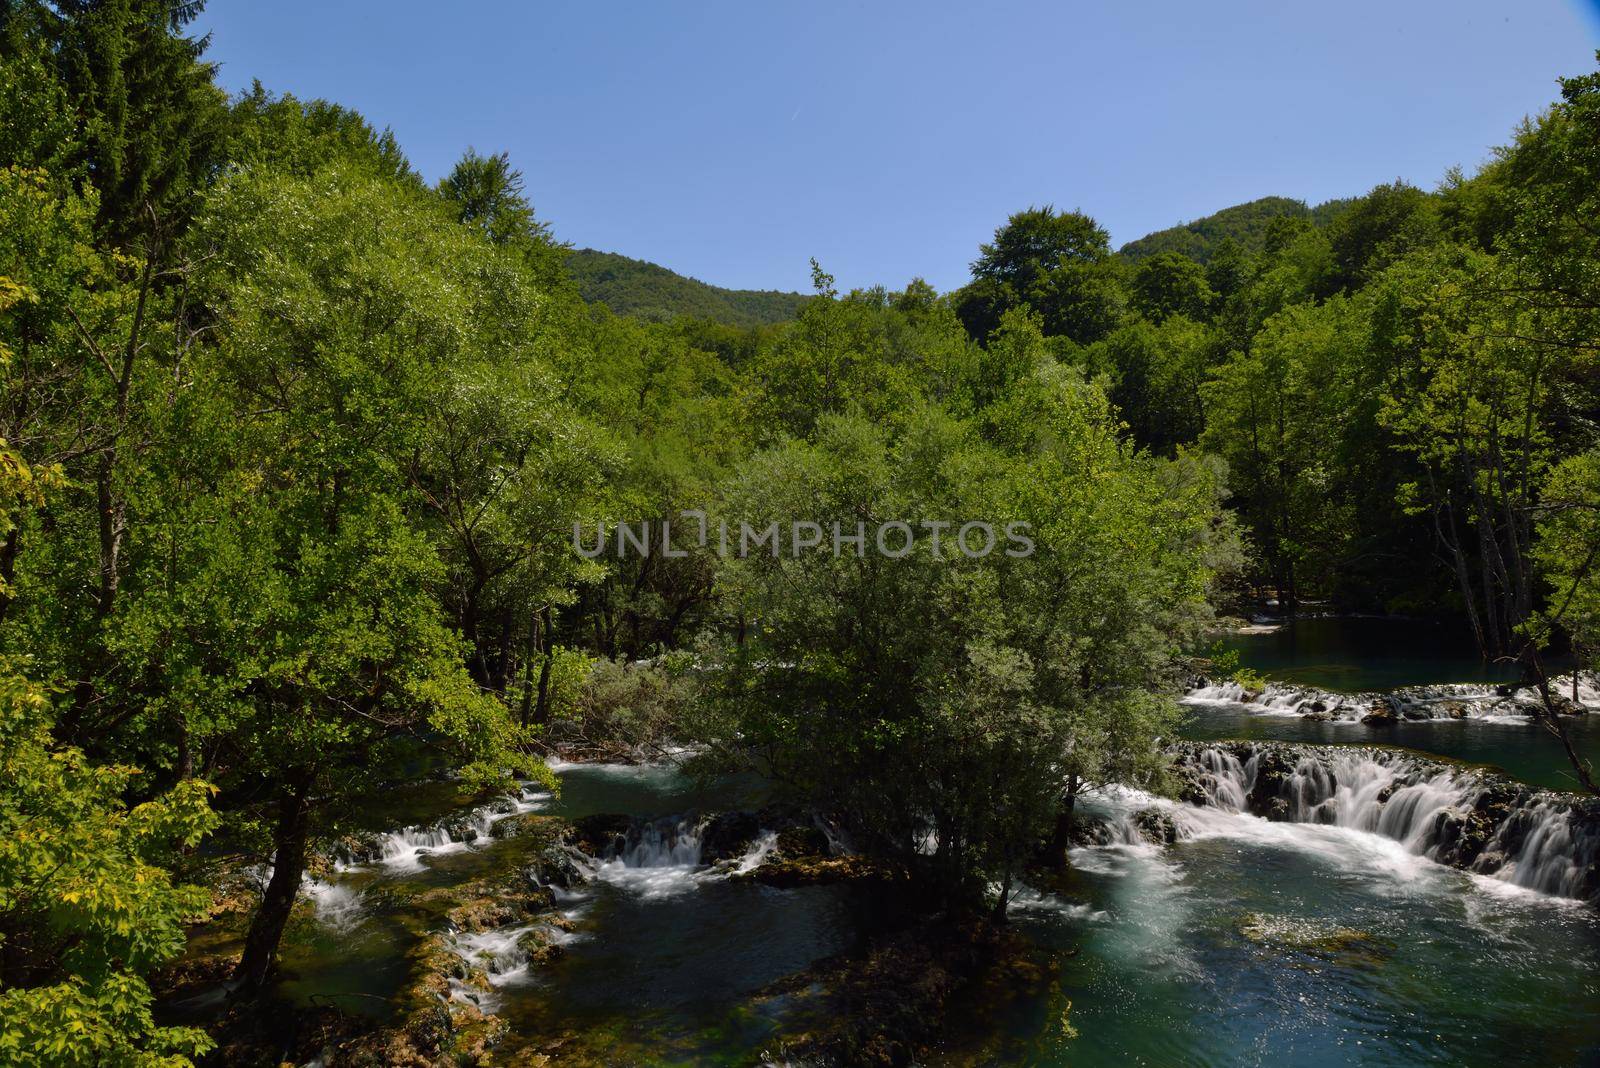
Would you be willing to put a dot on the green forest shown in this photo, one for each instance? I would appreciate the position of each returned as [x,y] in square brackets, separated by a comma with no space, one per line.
[651,292]
[294,444]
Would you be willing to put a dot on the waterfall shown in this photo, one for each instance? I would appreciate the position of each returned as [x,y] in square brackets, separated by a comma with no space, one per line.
[336,904]
[657,858]
[498,952]
[759,850]
[405,848]
[501,955]
[1548,849]
[1459,701]
[1466,818]
[1225,780]
[664,843]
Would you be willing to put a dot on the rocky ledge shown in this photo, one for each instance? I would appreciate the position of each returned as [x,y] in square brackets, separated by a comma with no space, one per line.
[1465,816]
[1407,703]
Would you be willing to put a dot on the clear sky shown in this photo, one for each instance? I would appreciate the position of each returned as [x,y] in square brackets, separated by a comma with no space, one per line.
[732,141]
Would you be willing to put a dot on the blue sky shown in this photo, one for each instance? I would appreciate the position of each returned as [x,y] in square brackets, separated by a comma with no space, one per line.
[733,141]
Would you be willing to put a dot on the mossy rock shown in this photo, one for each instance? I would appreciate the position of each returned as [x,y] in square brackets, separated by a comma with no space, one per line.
[541,946]
[1156,826]
[1310,938]
[728,835]
[1089,830]
[787,872]
[794,842]
[601,834]
[1380,714]
[537,827]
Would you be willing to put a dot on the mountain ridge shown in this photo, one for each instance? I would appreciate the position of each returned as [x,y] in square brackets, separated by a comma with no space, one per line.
[1246,223]
[655,293]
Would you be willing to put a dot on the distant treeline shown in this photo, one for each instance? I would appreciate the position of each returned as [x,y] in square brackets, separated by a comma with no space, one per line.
[1246,225]
[655,294]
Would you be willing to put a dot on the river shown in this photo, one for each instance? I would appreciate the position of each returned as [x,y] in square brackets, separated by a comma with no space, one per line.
[1245,942]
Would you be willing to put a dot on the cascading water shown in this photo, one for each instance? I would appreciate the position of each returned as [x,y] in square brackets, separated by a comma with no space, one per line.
[664,843]
[405,848]
[1549,848]
[759,850]
[337,905]
[502,956]
[1224,779]
[1470,701]
[657,858]
[1466,818]
[498,952]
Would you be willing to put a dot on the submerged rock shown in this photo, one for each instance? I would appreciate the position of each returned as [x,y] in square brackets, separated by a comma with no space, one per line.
[1319,940]
[894,1003]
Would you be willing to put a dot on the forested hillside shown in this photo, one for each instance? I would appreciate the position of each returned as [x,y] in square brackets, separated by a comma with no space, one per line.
[300,453]
[655,294]
[1246,225]
[1404,397]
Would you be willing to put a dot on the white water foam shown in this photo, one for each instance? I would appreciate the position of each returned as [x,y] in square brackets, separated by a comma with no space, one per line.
[337,905]
[407,848]
[1447,701]
[659,859]
[1390,798]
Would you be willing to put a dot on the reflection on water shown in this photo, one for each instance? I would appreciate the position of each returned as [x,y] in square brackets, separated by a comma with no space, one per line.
[650,790]
[1357,654]
[1521,750]
[1260,943]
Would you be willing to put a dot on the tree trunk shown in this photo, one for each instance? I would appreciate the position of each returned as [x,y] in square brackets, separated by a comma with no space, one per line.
[546,643]
[541,712]
[505,659]
[529,654]
[477,665]
[288,865]
[1550,718]
[1061,836]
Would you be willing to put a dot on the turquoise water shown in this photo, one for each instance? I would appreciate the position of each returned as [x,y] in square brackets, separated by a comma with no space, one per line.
[1245,943]
[1359,654]
[1211,952]
[1354,655]
[1521,750]
[1361,955]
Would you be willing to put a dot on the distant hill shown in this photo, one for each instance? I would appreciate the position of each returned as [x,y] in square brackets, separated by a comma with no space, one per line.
[1245,223]
[650,291]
